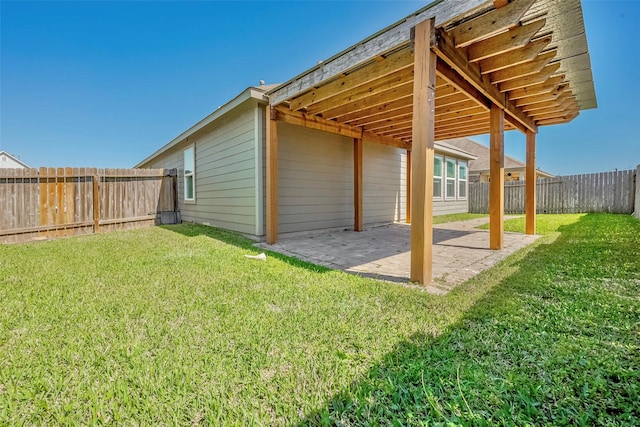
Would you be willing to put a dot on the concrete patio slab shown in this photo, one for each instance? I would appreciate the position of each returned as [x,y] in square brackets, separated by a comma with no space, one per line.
[460,251]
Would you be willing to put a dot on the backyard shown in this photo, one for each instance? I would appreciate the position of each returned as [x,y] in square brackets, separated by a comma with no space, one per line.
[173,325]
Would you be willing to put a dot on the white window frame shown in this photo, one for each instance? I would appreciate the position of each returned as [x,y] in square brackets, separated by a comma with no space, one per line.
[190,174]
[447,178]
[463,180]
[439,177]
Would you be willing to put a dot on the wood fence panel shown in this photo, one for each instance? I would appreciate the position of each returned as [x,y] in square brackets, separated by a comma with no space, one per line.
[612,192]
[57,202]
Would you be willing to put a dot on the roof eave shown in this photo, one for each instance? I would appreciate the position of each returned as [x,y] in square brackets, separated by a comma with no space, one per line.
[245,95]
[441,148]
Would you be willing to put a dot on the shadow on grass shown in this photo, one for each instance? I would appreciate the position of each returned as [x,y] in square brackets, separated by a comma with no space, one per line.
[239,241]
[554,341]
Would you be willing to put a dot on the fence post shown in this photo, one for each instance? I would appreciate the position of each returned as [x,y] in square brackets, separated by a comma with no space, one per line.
[96,204]
[636,203]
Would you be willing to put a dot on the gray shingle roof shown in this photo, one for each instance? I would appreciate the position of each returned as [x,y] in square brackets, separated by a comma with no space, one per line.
[481,163]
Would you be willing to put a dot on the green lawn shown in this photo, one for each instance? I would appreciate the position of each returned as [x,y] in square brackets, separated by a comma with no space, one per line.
[545,223]
[441,219]
[174,326]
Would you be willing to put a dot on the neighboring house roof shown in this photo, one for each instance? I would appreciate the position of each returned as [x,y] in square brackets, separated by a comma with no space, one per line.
[443,147]
[481,163]
[9,161]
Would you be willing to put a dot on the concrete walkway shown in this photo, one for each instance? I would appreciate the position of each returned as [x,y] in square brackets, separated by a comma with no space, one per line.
[460,251]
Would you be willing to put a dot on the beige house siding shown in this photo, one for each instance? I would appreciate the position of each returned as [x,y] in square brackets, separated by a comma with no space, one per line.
[450,207]
[315,176]
[385,183]
[225,180]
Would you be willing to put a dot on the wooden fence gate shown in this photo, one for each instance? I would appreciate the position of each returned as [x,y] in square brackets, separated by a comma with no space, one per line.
[55,202]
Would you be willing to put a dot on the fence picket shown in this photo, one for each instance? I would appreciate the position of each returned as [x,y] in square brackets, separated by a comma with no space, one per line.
[599,192]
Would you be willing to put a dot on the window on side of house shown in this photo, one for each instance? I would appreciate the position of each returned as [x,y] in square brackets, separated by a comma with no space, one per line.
[462,179]
[189,174]
[450,172]
[437,177]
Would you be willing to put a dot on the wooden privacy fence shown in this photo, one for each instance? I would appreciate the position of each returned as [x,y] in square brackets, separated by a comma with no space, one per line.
[612,192]
[56,202]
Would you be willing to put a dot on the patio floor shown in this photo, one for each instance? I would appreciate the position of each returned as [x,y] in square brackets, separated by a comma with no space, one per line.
[460,251]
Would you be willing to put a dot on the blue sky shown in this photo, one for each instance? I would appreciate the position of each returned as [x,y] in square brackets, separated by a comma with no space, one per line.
[104,84]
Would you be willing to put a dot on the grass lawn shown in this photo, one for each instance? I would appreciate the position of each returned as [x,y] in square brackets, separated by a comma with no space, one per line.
[173,325]
[441,219]
[545,223]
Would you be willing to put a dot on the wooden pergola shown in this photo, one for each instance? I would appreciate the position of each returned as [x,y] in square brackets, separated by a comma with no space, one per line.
[452,69]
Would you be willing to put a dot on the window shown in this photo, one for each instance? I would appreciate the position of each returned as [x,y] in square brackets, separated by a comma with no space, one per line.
[437,177]
[462,179]
[450,186]
[189,174]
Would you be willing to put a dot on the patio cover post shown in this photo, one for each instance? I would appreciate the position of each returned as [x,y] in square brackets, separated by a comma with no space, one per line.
[530,184]
[496,177]
[357,184]
[423,135]
[408,188]
[272,176]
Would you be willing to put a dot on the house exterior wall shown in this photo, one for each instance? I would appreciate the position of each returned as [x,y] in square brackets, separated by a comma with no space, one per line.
[316,182]
[315,179]
[225,172]
[456,203]
[384,184]
[450,207]
[6,162]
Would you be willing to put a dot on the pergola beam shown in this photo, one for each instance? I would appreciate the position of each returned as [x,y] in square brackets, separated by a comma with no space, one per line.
[375,109]
[363,76]
[536,89]
[525,69]
[318,123]
[515,57]
[505,42]
[522,82]
[470,76]
[385,116]
[490,24]
[380,85]
[389,95]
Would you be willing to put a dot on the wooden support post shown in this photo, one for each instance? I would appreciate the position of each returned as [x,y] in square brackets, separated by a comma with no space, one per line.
[96,203]
[530,184]
[357,184]
[496,177]
[408,189]
[423,133]
[272,177]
